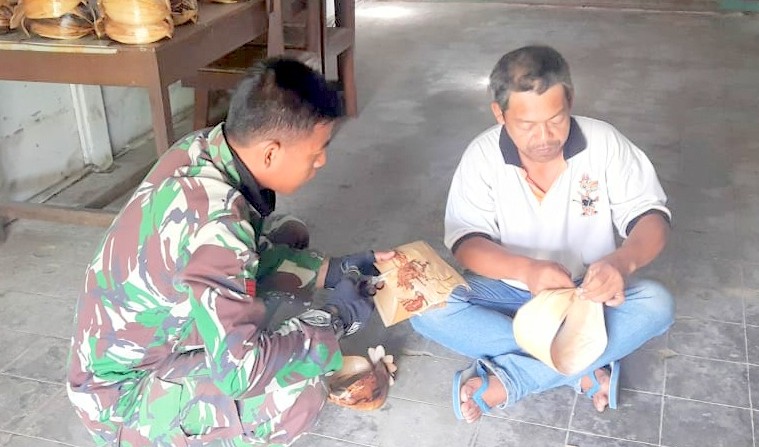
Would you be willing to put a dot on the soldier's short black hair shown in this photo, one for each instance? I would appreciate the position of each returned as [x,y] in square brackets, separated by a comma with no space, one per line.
[534,68]
[280,95]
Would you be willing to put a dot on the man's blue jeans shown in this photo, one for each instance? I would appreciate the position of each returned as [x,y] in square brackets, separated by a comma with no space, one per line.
[478,324]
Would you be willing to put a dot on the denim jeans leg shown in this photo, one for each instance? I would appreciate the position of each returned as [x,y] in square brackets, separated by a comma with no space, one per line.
[478,324]
[648,311]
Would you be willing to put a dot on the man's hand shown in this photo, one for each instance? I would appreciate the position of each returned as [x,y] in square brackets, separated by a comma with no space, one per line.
[351,301]
[363,262]
[604,283]
[543,275]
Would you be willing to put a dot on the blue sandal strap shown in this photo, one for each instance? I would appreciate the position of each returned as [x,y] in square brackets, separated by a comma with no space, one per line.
[481,390]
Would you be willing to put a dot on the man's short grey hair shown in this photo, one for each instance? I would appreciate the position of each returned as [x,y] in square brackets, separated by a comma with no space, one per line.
[533,68]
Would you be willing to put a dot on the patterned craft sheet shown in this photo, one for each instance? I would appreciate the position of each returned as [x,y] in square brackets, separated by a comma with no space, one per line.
[416,280]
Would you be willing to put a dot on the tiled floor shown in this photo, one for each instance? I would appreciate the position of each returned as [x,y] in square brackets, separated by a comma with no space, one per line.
[684,87]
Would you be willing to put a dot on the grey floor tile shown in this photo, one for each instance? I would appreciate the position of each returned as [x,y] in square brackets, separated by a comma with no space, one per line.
[748,248]
[311,440]
[711,339]
[706,271]
[14,344]
[21,397]
[47,241]
[724,245]
[751,276]
[708,380]
[45,360]
[751,303]
[643,370]
[354,426]
[407,423]
[585,440]
[26,441]
[550,408]
[656,343]
[58,277]
[57,421]
[752,337]
[753,377]
[506,433]
[425,379]
[26,312]
[636,419]
[696,424]
[710,302]
[704,214]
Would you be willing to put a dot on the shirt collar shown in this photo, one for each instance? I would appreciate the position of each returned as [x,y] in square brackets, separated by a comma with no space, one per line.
[262,199]
[576,143]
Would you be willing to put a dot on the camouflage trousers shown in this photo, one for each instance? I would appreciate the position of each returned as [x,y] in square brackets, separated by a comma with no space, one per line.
[179,405]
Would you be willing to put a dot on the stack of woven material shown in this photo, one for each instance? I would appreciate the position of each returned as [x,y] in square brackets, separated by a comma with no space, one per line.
[55,19]
[137,21]
[6,12]
[184,11]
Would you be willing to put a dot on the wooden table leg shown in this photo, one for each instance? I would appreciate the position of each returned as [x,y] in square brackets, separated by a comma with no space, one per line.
[163,126]
[3,228]
[347,77]
[201,108]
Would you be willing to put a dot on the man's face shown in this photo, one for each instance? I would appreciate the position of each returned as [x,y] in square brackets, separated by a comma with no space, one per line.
[299,158]
[538,124]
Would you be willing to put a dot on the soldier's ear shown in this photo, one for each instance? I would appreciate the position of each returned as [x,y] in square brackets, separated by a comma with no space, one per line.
[272,150]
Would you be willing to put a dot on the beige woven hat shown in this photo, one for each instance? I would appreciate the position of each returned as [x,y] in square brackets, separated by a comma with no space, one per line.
[564,332]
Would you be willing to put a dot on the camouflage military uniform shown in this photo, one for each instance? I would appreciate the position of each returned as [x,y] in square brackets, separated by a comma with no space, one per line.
[170,346]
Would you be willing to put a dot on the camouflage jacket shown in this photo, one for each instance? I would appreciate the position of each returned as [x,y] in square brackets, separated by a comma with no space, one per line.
[177,272]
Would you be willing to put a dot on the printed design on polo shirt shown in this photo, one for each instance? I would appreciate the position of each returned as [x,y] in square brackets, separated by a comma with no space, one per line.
[588,195]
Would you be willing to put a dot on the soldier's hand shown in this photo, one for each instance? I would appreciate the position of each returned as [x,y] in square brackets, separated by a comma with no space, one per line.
[544,275]
[350,301]
[362,262]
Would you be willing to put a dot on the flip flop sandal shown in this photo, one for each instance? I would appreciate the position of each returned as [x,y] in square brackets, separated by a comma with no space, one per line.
[460,378]
[614,372]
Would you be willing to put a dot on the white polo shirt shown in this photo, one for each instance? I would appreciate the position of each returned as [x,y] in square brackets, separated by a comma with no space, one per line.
[608,183]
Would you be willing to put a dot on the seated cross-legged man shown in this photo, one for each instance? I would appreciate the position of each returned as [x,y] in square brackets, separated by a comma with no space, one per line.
[534,205]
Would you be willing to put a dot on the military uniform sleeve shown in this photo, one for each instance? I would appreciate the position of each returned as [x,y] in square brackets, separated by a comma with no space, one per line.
[245,359]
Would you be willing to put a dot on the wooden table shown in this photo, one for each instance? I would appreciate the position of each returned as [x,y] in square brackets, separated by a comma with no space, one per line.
[221,28]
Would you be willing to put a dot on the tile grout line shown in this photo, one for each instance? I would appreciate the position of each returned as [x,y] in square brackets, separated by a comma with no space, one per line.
[340,439]
[37,437]
[687,399]
[734,362]
[664,388]
[596,435]
[16,376]
[748,367]
[21,331]
[571,416]
[706,320]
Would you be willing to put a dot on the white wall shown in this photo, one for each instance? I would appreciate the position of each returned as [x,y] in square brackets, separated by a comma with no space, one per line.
[127,111]
[39,137]
[40,142]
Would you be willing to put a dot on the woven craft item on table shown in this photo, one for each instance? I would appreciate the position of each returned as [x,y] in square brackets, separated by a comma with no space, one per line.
[561,330]
[184,11]
[55,19]
[6,12]
[137,21]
